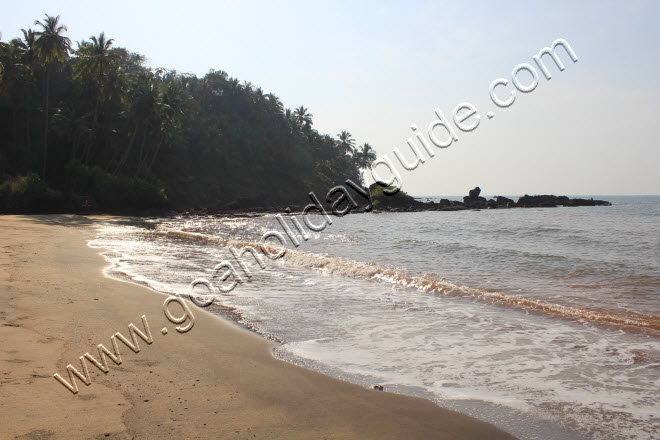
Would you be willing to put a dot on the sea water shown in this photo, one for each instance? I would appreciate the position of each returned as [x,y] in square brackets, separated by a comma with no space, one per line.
[544,322]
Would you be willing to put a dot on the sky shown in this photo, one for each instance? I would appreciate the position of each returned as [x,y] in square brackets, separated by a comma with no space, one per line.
[375,68]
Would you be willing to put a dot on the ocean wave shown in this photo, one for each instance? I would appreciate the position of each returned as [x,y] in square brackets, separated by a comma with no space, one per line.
[430,283]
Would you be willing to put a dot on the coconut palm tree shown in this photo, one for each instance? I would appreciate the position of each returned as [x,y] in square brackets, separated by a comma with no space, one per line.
[52,48]
[303,117]
[259,96]
[364,157]
[234,85]
[346,142]
[11,77]
[94,60]
[68,123]
[247,86]
[275,104]
[143,100]
[94,56]
[25,48]
[129,62]
[173,101]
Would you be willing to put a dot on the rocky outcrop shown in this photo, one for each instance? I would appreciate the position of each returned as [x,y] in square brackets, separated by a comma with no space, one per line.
[550,201]
[504,202]
[586,202]
[473,195]
[544,201]
[474,200]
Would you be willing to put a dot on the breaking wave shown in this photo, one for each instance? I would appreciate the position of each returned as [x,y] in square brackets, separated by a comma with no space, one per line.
[430,283]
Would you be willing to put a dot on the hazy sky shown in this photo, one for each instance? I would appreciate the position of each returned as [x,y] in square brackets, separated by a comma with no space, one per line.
[374,68]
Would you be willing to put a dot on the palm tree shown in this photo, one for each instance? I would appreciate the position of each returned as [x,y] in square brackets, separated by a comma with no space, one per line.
[303,117]
[346,142]
[275,104]
[93,60]
[260,95]
[364,157]
[247,86]
[94,56]
[234,85]
[51,47]
[10,79]
[173,100]
[28,56]
[129,62]
[142,99]
[71,125]
[26,47]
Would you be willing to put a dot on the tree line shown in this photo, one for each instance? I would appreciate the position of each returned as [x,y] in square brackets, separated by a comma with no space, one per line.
[94,122]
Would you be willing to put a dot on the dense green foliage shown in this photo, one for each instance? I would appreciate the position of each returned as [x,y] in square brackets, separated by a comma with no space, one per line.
[94,122]
[28,194]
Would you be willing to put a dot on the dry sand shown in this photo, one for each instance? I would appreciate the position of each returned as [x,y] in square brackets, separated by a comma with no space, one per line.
[215,381]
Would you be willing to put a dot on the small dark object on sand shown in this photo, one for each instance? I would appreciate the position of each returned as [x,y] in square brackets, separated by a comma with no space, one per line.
[378,387]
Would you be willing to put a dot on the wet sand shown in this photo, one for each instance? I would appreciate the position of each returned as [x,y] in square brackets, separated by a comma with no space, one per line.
[215,381]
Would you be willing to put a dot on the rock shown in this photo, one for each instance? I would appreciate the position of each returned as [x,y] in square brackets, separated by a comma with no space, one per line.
[473,200]
[550,201]
[563,200]
[473,196]
[543,201]
[504,202]
[401,202]
[587,202]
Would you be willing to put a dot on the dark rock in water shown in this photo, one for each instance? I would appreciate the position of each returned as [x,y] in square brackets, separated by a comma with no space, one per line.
[563,200]
[544,201]
[474,201]
[401,202]
[473,196]
[587,202]
[550,201]
[504,202]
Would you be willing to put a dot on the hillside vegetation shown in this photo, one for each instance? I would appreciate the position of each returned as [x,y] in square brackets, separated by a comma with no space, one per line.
[92,124]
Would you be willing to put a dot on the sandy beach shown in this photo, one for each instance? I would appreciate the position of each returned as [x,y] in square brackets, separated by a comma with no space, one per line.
[215,381]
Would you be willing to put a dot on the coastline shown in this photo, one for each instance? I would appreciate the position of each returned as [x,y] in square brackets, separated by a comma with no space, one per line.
[218,380]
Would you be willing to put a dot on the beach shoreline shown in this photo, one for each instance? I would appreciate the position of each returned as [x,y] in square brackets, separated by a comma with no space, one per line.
[215,381]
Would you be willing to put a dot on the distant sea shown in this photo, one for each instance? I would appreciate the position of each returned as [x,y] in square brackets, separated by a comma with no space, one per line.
[544,322]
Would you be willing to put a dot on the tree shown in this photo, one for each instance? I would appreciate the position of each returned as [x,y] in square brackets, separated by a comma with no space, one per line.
[130,63]
[26,48]
[173,102]
[346,142]
[141,109]
[10,78]
[303,117]
[28,57]
[364,157]
[52,48]
[247,87]
[94,59]
[127,135]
